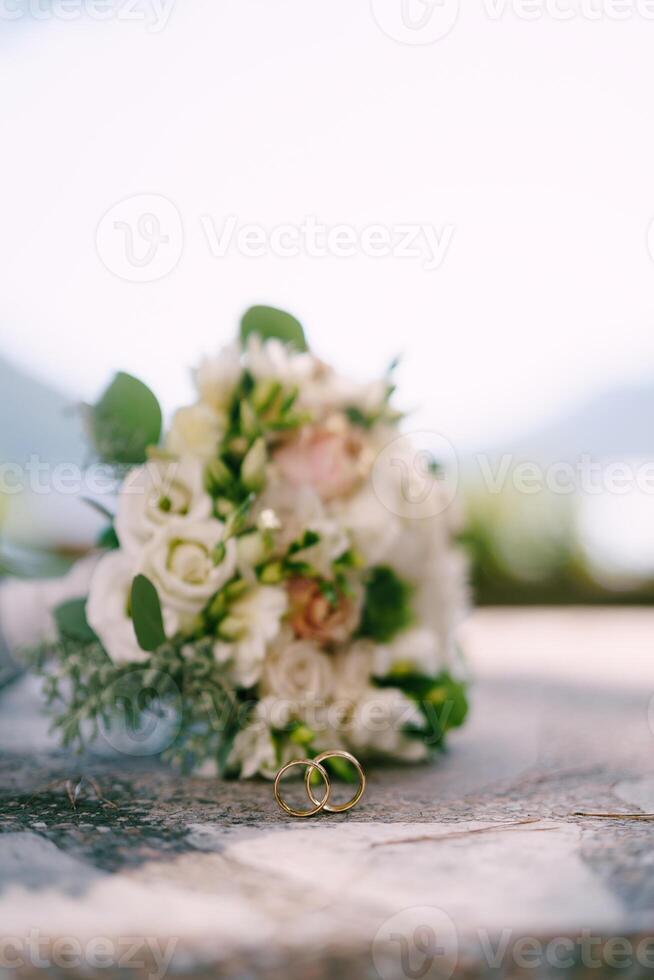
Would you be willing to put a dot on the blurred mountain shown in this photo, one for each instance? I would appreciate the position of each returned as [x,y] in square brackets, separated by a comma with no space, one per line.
[47,513]
[37,419]
[614,424]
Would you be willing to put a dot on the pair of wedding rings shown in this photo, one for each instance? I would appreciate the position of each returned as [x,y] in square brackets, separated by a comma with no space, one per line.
[314,765]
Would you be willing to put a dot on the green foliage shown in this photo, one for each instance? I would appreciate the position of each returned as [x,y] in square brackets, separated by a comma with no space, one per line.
[146,614]
[70,618]
[125,421]
[86,693]
[442,701]
[386,606]
[268,322]
[258,412]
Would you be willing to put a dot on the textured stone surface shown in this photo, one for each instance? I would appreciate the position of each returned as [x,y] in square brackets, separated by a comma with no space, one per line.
[471,865]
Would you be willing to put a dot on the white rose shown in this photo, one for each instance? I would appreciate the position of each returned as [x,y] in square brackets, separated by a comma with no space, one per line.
[107,605]
[378,721]
[196,429]
[414,649]
[298,671]
[187,562]
[217,377]
[255,620]
[157,493]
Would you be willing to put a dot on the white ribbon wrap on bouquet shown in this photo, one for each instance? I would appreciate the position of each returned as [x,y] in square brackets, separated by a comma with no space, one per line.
[26,605]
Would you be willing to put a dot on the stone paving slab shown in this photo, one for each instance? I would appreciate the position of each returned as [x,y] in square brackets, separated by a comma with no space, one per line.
[474,866]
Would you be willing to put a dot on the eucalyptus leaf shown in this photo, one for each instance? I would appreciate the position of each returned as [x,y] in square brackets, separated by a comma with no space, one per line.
[269,323]
[146,614]
[108,538]
[125,421]
[70,617]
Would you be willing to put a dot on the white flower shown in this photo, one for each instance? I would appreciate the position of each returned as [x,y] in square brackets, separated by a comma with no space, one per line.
[251,550]
[217,377]
[157,493]
[273,360]
[254,751]
[187,562]
[416,650]
[378,721]
[295,511]
[255,619]
[326,392]
[292,510]
[297,671]
[377,534]
[107,608]
[441,602]
[353,669]
[333,542]
[196,429]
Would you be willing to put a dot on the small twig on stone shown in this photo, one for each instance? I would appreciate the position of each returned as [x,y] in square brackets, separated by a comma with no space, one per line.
[73,787]
[614,816]
[514,825]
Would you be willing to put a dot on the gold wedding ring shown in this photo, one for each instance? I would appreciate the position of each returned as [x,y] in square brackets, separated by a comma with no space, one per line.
[341,807]
[314,765]
[318,804]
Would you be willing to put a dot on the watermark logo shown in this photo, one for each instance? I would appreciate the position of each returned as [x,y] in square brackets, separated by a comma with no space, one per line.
[416,476]
[418,944]
[416,21]
[141,239]
[143,713]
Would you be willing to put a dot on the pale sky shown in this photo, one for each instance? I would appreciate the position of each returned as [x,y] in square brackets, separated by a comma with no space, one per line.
[527,147]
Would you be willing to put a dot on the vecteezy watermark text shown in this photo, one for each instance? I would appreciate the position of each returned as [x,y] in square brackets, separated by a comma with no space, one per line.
[152,14]
[141,239]
[414,475]
[150,955]
[418,22]
[423,942]
[316,240]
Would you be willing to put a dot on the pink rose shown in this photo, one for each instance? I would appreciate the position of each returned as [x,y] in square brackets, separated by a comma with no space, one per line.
[326,461]
[313,617]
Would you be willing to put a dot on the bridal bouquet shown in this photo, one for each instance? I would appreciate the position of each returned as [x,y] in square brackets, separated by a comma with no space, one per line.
[268,574]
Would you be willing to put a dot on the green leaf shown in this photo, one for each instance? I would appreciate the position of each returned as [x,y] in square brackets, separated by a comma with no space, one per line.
[70,617]
[268,322]
[108,538]
[125,421]
[146,614]
[387,605]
